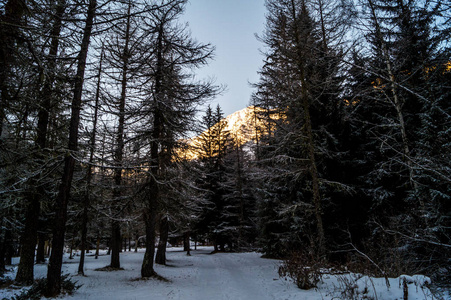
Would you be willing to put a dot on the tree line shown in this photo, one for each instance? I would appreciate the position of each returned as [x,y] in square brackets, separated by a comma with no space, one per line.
[95,97]
[350,158]
[357,168]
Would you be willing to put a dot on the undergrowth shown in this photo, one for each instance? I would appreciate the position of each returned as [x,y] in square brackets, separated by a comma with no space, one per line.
[36,291]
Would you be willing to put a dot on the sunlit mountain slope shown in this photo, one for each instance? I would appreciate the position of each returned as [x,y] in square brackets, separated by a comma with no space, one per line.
[243,126]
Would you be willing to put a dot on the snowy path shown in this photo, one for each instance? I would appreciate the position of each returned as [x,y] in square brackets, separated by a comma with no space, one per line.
[224,276]
[203,276]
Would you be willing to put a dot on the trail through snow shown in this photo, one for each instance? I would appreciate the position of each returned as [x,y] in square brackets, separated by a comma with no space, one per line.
[205,276]
[221,276]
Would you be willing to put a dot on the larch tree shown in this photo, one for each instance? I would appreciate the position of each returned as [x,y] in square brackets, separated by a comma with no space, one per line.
[37,191]
[90,168]
[121,53]
[53,286]
[171,104]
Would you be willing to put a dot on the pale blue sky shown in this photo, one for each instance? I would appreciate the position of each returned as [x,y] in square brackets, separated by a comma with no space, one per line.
[229,25]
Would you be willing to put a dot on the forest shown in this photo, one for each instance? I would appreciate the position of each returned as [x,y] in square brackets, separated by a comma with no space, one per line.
[347,162]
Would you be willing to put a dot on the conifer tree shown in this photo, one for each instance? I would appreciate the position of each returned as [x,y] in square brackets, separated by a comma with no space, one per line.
[169,110]
[36,190]
[301,83]
[53,286]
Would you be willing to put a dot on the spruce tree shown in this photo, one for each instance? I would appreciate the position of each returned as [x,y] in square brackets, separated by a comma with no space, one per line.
[300,87]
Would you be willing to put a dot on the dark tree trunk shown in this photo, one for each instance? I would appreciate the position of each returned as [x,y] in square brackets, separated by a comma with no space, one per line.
[164,232]
[150,215]
[28,239]
[147,269]
[2,249]
[136,242]
[2,260]
[84,233]
[40,253]
[92,144]
[321,243]
[28,243]
[48,247]
[186,245]
[97,247]
[26,265]
[72,247]
[9,250]
[53,287]
[115,244]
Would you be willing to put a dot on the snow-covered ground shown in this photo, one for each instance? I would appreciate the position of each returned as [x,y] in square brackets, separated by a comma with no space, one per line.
[216,276]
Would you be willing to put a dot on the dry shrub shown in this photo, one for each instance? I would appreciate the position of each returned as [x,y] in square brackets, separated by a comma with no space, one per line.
[304,269]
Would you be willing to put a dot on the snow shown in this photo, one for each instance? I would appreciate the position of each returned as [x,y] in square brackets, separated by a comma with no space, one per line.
[220,276]
[417,280]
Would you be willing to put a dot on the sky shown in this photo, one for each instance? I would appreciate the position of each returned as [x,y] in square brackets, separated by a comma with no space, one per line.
[230,26]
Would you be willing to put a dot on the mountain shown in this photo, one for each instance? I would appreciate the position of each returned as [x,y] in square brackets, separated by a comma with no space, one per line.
[243,126]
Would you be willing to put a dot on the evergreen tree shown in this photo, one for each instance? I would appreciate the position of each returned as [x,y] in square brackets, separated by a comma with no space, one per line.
[301,84]
[238,217]
[390,108]
[214,143]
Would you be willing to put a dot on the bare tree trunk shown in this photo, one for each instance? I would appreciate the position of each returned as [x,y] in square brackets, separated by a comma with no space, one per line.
[53,287]
[9,250]
[115,244]
[150,215]
[2,248]
[92,146]
[28,242]
[186,243]
[147,269]
[40,253]
[164,232]
[72,247]
[119,152]
[136,242]
[47,248]
[97,247]
[29,237]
